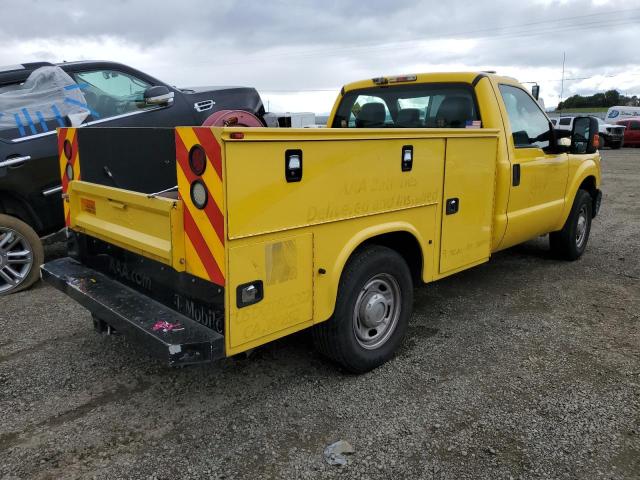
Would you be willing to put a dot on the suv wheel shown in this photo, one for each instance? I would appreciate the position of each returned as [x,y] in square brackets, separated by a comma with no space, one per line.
[21,255]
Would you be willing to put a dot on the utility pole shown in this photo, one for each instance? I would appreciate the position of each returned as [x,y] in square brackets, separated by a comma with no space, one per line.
[564,57]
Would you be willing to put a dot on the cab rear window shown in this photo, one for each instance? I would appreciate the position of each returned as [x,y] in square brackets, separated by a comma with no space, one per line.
[409,106]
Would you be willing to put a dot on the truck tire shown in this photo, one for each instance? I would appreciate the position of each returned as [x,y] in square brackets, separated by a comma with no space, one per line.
[372,311]
[571,242]
[21,254]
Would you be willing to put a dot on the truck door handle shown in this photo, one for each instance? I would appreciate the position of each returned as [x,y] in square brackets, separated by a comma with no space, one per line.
[452,206]
[15,161]
[516,175]
[293,165]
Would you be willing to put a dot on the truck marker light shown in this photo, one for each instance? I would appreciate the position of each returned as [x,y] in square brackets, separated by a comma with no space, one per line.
[380,80]
[199,194]
[237,135]
[69,171]
[197,160]
[68,150]
[402,78]
[596,140]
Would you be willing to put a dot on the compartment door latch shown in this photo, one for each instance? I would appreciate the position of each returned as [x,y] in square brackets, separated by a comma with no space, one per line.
[452,206]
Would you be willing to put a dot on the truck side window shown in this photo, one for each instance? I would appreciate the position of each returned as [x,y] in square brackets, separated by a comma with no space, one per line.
[409,106]
[110,93]
[565,121]
[529,125]
[635,126]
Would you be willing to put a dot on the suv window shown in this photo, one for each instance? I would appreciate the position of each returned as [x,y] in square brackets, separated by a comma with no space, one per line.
[110,93]
[47,98]
[530,127]
[565,121]
[409,106]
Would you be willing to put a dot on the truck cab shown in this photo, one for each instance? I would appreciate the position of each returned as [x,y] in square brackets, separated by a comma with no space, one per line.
[244,235]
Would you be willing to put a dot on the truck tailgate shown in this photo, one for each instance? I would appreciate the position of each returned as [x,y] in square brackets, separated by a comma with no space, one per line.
[151,227]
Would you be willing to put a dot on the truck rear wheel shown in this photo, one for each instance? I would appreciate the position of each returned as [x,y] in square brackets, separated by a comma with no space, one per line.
[571,242]
[373,307]
[21,255]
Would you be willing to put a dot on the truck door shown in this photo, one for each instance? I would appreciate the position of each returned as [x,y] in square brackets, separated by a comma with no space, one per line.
[469,183]
[538,176]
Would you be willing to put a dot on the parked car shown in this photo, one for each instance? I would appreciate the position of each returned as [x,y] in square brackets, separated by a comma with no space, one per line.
[610,135]
[631,131]
[37,98]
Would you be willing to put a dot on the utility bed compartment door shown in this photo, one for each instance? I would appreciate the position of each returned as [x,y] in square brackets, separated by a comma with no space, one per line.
[467,203]
[285,268]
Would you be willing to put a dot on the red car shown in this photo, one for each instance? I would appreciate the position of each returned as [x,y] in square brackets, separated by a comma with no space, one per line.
[632,132]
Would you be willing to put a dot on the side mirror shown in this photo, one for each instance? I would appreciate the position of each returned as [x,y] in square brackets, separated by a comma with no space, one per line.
[158,95]
[584,135]
[535,92]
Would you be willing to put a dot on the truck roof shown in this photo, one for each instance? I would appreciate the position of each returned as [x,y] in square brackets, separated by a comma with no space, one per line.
[444,77]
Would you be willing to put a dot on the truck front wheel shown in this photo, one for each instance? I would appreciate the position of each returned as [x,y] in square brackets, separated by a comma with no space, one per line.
[571,242]
[21,255]
[372,311]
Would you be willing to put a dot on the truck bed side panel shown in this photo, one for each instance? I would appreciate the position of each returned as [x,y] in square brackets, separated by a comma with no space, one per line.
[341,179]
[272,224]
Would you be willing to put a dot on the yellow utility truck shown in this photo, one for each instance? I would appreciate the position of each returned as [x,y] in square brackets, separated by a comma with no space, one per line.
[204,242]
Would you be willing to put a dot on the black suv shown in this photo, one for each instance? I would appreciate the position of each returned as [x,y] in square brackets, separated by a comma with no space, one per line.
[37,98]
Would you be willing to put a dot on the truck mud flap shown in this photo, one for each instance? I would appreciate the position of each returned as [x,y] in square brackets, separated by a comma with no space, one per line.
[163,332]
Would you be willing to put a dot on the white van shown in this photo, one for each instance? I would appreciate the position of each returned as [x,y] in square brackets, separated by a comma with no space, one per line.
[621,113]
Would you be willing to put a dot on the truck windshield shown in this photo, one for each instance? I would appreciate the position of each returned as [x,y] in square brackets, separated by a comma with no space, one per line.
[409,106]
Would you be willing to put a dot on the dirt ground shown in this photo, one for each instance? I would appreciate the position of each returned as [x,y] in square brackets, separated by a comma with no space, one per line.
[525,367]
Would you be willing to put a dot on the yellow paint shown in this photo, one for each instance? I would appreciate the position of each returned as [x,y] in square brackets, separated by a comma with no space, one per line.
[69,134]
[288,288]
[200,217]
[128,219]
[297,237]
[466,235]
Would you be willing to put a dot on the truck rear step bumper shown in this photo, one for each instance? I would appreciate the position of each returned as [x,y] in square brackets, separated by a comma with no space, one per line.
[163,332]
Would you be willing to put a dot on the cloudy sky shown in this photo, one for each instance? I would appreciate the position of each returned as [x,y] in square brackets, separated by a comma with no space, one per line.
[299,52]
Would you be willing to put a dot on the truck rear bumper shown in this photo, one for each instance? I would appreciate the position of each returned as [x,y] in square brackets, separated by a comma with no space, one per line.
[163,332]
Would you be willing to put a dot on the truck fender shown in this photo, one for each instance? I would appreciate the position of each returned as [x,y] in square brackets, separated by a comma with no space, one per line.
[587,173]
[362,237]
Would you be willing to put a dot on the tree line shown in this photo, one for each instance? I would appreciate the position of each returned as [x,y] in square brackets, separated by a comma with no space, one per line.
[606,99]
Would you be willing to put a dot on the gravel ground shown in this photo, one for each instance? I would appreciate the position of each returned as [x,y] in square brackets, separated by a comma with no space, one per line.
[525,367]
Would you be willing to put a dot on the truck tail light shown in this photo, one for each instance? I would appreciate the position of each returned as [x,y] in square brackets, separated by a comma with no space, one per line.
[197,160]
[69,171]
[68,149]
[199,194]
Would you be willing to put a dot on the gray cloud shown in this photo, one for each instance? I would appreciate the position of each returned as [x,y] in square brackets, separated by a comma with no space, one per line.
[304,44]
